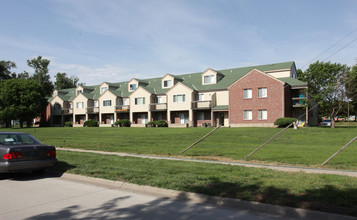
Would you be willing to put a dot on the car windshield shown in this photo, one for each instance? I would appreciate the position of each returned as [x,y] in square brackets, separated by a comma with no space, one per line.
[17,139]
[327,120]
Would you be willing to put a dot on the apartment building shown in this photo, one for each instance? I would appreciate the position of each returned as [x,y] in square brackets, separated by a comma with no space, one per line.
[239,97]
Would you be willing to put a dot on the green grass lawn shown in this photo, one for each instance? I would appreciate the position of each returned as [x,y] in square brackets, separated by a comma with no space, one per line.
[305,146]
[329,193]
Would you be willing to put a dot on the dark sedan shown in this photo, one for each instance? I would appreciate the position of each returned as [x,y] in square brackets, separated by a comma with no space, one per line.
[22,152]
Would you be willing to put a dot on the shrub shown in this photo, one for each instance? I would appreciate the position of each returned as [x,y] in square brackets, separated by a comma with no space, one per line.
[161,123]
[117,124]
[68,124]
[151,124]
[124,123]
[90,123]
[284,122]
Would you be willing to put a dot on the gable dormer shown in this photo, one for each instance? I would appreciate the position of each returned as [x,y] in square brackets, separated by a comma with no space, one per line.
[135,83]
[79,90]
[104,87]
[167,81]
[211,76]
[132,85]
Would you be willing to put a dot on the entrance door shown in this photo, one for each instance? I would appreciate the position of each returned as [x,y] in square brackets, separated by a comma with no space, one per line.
[221,118]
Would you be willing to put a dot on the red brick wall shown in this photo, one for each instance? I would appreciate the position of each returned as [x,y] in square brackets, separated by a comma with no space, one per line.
[273,103]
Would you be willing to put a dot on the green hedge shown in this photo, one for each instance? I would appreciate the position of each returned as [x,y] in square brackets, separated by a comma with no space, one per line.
[90,123]
[284,122]
[68,124]
[123,123]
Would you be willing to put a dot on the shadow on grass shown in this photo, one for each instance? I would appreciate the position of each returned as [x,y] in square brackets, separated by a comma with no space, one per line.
[326,199]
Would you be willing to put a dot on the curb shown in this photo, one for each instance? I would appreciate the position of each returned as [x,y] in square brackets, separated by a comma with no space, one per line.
[195,198]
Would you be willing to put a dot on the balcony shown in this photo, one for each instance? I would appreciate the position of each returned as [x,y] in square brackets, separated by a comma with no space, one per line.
[201,105]
[92,110]
[298,102]
[158,107]
[67,111]
[122,108]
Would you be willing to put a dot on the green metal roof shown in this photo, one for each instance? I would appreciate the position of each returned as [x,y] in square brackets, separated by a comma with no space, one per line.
[191,80]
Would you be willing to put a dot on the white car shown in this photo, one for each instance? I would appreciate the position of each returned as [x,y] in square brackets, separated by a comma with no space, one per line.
[326,123]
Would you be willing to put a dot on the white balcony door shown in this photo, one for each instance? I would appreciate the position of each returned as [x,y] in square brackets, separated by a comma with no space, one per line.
[144,119]
[183,118]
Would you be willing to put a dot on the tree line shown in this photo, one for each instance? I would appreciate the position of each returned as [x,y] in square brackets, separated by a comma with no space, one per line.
[24,96]
[332,87]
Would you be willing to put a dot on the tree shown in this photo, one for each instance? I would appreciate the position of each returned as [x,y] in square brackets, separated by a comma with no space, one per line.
[20,99]
[5,70]
[64,82]
[41,74]
[328,86]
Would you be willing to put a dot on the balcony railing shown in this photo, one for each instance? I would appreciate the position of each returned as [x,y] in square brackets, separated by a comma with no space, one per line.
[158,107]
[201,105]
[122,108]
[298,102]
[67,111]
[92,110]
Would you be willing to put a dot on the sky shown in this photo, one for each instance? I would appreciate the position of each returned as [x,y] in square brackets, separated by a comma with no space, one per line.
[117,40]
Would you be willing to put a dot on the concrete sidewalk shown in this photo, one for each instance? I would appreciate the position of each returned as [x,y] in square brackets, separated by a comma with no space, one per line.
[266,211]
[273,167]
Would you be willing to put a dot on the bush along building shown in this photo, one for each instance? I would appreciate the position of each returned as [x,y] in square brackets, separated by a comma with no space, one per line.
[239,97]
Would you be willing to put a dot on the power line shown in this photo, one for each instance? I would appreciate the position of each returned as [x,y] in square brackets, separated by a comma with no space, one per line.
[332,47]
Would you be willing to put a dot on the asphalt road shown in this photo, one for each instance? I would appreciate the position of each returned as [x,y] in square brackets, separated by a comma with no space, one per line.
[50,196]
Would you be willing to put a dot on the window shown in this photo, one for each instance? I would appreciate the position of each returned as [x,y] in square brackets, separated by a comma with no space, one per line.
[140,101]
[247,115]
[262,114]
[167,83]
[208,79]
[103,90]
[80,104]
[201,97]
[107,103]
[95,103]
[247,93]
[180,98]
[70,105]
[79,91]
[132,87]
[159,99]
[125,102]
[262,92]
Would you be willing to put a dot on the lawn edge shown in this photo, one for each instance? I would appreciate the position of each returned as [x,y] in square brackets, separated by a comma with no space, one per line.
[215,201]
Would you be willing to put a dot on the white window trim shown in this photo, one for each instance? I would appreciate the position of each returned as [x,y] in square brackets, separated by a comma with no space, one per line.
[140,103]
[249,95]
[183,99]
[251,115]
[105,101]
[266,92]
[79,105]
[260,114]
[210,79]
[168,82]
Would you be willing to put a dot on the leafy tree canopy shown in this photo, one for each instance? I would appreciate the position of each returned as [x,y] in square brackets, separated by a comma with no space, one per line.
[329,86]
[5,70]
[20,99]
[41,75]
[64,82]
